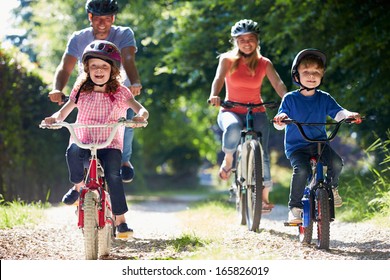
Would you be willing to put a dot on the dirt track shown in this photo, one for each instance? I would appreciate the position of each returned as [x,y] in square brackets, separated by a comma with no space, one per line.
[157,222]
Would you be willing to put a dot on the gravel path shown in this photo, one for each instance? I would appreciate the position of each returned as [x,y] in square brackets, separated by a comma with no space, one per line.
[157,222]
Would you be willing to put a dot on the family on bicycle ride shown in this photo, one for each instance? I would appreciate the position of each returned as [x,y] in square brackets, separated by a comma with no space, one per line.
[242,70]
[103,49]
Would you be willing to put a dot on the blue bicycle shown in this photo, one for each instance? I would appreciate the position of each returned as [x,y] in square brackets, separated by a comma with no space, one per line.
[318,200]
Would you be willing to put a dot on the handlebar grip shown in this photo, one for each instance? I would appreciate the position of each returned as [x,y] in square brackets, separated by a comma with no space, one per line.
[64,98]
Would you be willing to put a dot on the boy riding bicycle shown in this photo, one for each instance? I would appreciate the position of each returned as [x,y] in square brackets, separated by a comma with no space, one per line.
[100,98]
[309,105]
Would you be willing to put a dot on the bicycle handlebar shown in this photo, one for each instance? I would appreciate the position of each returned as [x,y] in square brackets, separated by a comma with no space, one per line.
[329,138]
[115,126]
[231,104]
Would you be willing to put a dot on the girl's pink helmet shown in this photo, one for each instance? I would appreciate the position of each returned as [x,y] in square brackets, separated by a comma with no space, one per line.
[104,50]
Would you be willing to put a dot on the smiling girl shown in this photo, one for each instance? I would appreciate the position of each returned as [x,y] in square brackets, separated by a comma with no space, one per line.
[100,98]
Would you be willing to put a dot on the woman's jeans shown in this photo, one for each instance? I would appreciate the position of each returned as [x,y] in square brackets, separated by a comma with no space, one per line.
[78,158]
[232,124]
[300,162]
[128,139]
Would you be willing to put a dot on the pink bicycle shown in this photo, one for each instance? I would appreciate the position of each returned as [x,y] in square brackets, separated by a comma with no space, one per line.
[95,217]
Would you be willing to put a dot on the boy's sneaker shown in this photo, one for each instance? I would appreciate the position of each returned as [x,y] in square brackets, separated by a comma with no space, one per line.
[295,215]
[123,231]
[337,201]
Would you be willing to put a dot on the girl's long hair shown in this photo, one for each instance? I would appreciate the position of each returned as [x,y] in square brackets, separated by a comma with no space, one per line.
[85,82]
[253,59]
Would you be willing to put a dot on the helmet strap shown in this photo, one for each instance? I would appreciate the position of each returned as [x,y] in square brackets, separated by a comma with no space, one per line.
[246,55]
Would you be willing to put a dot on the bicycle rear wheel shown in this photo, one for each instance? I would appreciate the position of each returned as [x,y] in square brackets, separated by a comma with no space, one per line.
[323,219]
[254,190]
[90,229]
[105,234]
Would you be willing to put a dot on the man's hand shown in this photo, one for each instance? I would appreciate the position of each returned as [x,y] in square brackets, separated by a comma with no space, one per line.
[56,96]
[136,89]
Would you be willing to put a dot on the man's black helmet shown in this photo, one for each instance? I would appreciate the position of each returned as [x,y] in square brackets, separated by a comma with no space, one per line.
[298,58]
[102,7]
[245,26]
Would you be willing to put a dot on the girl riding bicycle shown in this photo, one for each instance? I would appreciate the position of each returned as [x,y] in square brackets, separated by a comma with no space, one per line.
[100,98]
[309,105]
[242,71]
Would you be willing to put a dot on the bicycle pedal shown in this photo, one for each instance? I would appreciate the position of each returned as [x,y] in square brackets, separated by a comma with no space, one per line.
[288,224]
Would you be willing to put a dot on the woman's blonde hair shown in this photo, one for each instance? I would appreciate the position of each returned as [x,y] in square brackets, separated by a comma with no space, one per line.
[253,59]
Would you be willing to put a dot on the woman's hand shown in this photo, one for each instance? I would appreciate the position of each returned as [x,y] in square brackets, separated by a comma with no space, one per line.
[214,100]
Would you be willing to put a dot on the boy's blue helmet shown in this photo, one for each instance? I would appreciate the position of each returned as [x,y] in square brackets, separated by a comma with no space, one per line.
[297,61]
[102,7]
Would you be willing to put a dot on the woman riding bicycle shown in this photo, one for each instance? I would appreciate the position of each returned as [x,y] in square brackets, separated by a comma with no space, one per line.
[100,98]
[309,105]
[242,71]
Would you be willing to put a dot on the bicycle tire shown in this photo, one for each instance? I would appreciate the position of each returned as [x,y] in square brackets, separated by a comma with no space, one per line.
[90,229]
[323,219]
[240,197]
[105,234]
[254,190]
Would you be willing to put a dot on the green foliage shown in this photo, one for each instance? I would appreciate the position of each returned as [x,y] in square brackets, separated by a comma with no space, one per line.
[27,153]
[19,213]
[187,242]
[368,194]
[178,42]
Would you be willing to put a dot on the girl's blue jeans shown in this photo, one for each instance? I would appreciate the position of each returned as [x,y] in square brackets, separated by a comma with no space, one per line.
[78,158]
[300,162]
[231,124]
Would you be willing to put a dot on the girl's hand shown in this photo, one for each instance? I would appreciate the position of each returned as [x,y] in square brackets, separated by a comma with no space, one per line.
[49,120]
[138,119]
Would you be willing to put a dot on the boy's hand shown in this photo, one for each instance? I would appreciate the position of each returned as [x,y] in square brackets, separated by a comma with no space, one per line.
[357,117]
[278,124]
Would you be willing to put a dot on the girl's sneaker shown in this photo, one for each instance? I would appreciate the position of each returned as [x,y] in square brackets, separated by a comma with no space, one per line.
[123,231]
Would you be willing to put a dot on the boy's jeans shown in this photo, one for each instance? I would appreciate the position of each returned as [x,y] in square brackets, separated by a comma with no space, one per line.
[300,162]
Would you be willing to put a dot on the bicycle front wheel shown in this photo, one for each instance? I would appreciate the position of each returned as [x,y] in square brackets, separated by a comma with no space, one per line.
[254,190]
[239,193]
[323,219]
[90,229]
[105,234]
